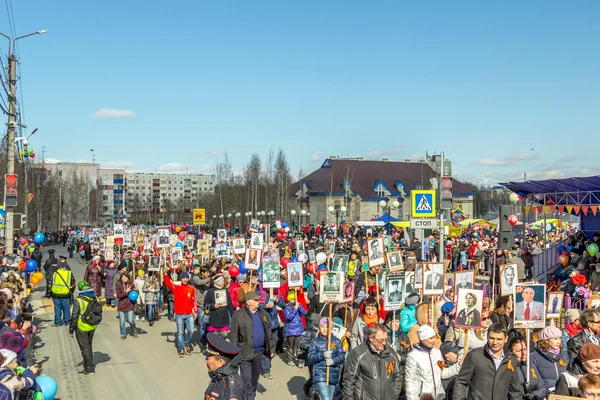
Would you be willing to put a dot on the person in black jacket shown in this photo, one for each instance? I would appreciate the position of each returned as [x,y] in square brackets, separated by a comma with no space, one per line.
[416,247]
[528,261]
[590,321]
[50,267]
[219,315]
[535,388]
[222,361]
[489,372]
[251,332]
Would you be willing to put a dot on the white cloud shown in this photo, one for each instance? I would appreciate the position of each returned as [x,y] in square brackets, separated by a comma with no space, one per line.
[385,152]
[416,157]
[317,156]
[112,113]
[492,162]
[179,168]
[118,164]
[212,153]
[52,160]
[511,159]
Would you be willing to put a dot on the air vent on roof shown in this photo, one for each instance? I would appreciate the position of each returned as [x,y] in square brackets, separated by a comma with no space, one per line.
[407,160]
[385,160]
[359,158]
[332,157]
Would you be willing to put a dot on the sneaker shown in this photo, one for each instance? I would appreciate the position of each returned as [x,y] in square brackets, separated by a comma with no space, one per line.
[189,348]
[291,364]
[300,364]
[181,353]
[171,319]
[143,318]
[56,325]
[123,337]
[137,317]
[151,323]
[186,351]
[268,376]
[84,372]
[135,334]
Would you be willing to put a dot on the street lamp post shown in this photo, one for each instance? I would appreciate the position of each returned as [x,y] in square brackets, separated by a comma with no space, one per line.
[388,205]
[12,125]
[272,215]
[293,212]
[215,222]
[222,217]
[338,212]
[303,214]
[237,215]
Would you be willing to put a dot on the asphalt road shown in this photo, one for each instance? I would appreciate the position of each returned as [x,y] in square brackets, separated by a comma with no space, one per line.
[147,367]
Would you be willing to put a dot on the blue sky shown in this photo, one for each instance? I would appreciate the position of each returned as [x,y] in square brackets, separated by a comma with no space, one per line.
[485,82]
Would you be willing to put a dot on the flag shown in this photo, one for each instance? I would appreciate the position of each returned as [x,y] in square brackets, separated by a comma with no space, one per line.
[30,197]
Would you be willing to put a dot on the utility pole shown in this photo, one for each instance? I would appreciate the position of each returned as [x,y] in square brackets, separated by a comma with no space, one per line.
[10,141]
[442,246]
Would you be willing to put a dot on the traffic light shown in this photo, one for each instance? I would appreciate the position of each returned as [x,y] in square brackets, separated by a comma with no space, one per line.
[10,190]
[23,221]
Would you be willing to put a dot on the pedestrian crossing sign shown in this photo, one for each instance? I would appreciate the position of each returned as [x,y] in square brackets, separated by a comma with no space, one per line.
[423,203]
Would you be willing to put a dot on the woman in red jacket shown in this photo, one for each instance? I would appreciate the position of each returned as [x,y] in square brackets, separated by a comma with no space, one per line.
[186,311]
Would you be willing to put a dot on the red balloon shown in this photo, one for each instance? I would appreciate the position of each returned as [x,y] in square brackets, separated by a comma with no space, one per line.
[32,155]
[284,262]
[182,236]
[512,220]
[278,235]
[234,271]
[23,241]
[563,260]
[284,235]
[311,267]
[282,230]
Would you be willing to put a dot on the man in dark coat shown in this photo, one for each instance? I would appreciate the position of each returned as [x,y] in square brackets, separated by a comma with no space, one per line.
[251,332]
[489,372]
[222,361]
[37,256]
[590,321]
[416,247]
[49,268]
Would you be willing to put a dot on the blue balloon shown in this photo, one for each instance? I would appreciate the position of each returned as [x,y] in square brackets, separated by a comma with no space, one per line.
[38,238]
[48,386]
[31,265]
[294,259]
[284,225]
[242,268]
[560,248]
[178,244]
[133,295]
[569,248]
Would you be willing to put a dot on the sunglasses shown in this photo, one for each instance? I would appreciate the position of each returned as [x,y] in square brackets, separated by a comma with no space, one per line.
[485,318]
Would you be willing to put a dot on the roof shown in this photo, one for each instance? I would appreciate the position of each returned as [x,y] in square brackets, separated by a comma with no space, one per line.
[364,175]
[579,189]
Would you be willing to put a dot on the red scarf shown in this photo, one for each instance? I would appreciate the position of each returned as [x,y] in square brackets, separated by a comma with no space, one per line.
[573,330]
[370,321]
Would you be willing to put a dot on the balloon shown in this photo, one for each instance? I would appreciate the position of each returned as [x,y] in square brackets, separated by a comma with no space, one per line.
[38,238]
[513,197]
[561,248]
[136,253]
[133,295]
[284,235]
[321,258]
[303,258]
[31,250]
[31,265]
[234,271]
[34,280]
[81,253]
[23,241]
[178,244]
[47,386]
[569,249]
[294,259]
[182,236]
[279,235]
[287,229]
[22,264]
[242,268]
[284,225]
[178,229]
[284,262]
[592,249]
[563,260]
[282,230]
[21,153]
[32,155]
[512,220]
[26,155]
[39,276]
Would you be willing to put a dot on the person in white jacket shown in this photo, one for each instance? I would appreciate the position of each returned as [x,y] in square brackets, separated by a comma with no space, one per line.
[424,367]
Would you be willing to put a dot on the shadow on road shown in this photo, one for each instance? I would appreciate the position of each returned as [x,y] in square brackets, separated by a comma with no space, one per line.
[295,386]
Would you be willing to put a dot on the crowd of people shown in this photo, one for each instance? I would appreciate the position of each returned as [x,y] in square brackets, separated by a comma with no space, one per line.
[413,353]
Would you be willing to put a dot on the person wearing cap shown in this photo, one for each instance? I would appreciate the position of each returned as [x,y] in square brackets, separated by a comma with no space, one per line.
[321,358]
[50,266]
[397,339]
[408,316]
[423,372]
[222,362]
[15,377]
[251,332]
[452,359]
[590,321]
[84,332]
[372,370]
[586,362]
[62,287]
[200,279]
[549,356]
[63,259]
[219,315]
[309,334]
[186,311]
[446,320]
[489,371]
[574,326]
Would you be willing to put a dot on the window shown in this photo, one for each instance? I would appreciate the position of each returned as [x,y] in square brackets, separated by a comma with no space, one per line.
[381,191]
[105,177]
[105,197]
[105,208]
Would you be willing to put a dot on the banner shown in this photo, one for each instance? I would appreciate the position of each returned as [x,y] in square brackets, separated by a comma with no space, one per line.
[199,216]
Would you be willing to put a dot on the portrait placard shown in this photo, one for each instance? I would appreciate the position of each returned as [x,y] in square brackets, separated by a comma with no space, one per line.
[340,263]
[256,241]
[271,272]
[419,276]
[530,308]
[348,292]
[393,292]
[221,235]
[221,297]
[555,305]
[394,261]
[311,256]
[162,239]
[220,250]
[469,307]
[252,259]
[409,283]
[331,286]
[202,246]
[254,225]
[509,277]
[300,249]
[338,331]
[375,251]
[295,276]
[154,263]
[239,246]
[594,302]
[464,279]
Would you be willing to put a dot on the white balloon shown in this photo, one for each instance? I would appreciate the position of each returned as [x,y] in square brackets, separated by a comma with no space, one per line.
[321,258]
[303,258]
[513,197]
[287,228]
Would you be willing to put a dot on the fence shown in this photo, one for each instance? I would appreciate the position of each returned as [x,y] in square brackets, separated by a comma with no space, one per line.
[546,262]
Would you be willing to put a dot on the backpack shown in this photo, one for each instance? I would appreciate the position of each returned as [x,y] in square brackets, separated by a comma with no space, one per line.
[93,312]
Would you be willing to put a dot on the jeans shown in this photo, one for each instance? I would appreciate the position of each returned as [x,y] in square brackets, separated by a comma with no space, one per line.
[171,305]
[84,340]
[250,371]
[266,364]
[161,302]
[62,306]
[129,316]
[150,311]
[201,325]
[184,322]
[325,391]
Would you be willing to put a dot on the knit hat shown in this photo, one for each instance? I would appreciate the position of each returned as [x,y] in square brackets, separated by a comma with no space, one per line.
[240,278]
[449,347]
[412,299]
[587,352]
[448,307]
[338,321]
[140,272]
[82,286]
[184,275]
[550,332]
[425,332]
[291,295]
[196,262]
[7,292]
[573,314]
[9,356]
[324,321]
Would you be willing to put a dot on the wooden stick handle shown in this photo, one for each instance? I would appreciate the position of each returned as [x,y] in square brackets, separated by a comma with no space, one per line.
[466,344]
[329,338]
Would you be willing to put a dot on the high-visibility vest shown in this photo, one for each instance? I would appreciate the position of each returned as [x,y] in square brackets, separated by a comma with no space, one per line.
[82,326]
[60,282]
